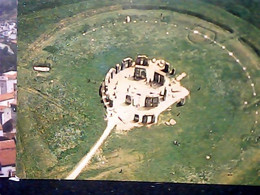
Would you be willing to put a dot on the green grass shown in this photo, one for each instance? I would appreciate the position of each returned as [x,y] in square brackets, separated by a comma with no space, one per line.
[62,116]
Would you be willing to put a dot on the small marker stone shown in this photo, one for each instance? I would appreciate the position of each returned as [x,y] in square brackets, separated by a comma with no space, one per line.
[248,76]
[167,33]
[245,102]
[256,112]
[244,68]
[128,19]
[223,47]
[230,53]
[237,60]
[208,157]
[195,32]
[205,36]
[254,94]
[252,84]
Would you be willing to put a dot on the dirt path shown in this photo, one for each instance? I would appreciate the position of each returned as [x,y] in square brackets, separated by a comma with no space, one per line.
[85,160]
[46,97]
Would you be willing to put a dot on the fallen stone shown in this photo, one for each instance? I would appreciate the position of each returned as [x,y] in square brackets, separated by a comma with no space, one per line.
[167,123]
[172,122]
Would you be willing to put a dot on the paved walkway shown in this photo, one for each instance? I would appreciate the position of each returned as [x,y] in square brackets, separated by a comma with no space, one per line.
[85,160]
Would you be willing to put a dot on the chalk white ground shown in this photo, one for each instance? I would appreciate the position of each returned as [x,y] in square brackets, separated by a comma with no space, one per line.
[123,83]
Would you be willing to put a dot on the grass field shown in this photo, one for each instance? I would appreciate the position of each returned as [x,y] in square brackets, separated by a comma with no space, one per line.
[61,116]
